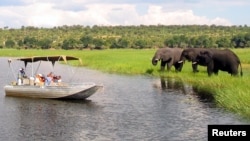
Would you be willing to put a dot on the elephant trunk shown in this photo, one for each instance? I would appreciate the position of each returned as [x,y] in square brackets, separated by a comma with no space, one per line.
[154,61]
[182,59]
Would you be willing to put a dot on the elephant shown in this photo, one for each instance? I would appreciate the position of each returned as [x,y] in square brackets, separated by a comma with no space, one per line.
[191,54]
[220,59]
[168,56]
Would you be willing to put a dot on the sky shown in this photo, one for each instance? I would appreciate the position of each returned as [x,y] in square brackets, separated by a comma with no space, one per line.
[52,13]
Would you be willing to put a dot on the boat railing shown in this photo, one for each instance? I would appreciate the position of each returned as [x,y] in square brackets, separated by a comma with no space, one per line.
[31,82]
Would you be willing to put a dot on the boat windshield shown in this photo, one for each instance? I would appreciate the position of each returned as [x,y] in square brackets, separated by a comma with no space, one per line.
[39,59]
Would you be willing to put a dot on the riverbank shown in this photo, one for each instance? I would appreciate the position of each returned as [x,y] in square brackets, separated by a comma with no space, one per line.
[231,93]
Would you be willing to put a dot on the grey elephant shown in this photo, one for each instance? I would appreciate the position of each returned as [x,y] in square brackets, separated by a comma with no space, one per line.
[168,56]
[217,59]
[191,54]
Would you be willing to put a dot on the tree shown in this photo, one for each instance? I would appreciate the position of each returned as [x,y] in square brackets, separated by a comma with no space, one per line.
[29,42]
[223,42]
[9,43]
[238,41]
[203,41]
[69,44]
[141,36]
[98,42]
[45,43]
[120,43]
[86,40]
[20,43]
[140,44]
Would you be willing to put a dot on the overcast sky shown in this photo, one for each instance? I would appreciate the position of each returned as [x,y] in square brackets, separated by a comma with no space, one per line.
[50,13]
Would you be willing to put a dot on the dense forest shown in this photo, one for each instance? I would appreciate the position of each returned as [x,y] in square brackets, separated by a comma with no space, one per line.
[138,37]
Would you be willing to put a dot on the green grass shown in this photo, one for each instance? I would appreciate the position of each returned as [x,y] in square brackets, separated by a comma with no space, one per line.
[231,93]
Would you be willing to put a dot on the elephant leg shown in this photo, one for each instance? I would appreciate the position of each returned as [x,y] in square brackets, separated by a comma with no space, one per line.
[234,70]
[169,65]
[178,67]
[210,69]
[163,64]
[195,68]
[216,71]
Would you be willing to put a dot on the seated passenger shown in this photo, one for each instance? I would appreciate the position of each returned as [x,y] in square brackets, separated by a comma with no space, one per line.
[40,79]
[49,79]
[57,79]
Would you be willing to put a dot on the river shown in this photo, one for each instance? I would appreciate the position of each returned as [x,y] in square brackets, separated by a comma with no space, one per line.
[132,108]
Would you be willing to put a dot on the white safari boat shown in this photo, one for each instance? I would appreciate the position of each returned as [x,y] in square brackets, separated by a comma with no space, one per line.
[28,87]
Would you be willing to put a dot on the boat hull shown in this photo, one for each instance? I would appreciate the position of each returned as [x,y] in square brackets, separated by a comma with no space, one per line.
[70,91]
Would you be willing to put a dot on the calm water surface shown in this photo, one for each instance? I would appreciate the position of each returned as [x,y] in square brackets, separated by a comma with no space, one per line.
[128,108]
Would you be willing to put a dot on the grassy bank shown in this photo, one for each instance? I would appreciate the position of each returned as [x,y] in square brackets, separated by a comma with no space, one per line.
[231,93]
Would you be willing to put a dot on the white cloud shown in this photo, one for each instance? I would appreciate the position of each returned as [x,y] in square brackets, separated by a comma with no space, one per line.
[42,15]
[54,14]
[156,15]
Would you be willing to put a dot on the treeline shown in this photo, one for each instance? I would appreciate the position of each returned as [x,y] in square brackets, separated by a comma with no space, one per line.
[139,37]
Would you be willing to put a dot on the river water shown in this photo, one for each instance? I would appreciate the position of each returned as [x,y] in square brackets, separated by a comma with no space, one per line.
[132,108]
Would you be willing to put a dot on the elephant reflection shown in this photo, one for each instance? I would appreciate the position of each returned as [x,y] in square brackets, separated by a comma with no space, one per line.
[171,83]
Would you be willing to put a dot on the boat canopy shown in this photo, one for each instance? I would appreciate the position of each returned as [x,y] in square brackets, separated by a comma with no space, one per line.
[52,59]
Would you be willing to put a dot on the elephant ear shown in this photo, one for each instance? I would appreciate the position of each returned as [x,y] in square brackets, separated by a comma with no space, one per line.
[166,58]
[208,54]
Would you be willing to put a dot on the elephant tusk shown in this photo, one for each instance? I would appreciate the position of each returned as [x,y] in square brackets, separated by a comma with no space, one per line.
[194,63]
[180,61]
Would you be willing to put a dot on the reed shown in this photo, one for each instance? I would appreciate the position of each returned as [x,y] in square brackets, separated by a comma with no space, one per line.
[231,93]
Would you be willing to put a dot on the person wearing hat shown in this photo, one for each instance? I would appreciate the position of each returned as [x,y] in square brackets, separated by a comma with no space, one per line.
[22,72]
[39,79]
[20,76]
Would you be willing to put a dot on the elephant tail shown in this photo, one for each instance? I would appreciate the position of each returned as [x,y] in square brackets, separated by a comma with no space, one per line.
[241,73]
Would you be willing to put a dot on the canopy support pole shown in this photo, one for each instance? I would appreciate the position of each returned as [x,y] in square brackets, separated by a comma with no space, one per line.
[9,61]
